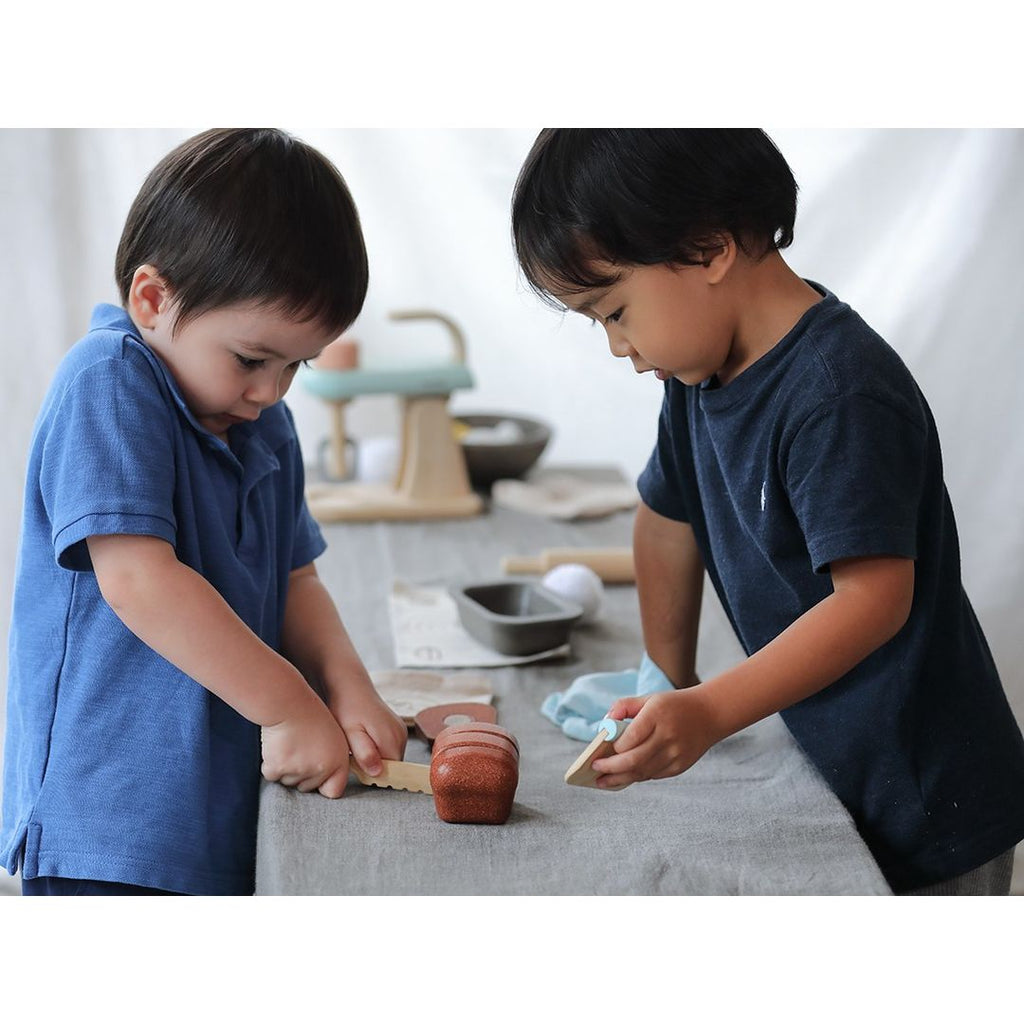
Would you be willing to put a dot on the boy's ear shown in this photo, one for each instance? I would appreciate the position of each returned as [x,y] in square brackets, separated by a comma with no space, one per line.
[149,297]
[719,258]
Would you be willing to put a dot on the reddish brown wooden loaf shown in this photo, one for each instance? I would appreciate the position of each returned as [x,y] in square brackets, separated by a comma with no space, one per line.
[474,772]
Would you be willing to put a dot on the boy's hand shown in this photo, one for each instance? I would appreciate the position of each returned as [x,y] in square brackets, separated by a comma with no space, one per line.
[316,643]
[307,751]
[374,731]
[669,733]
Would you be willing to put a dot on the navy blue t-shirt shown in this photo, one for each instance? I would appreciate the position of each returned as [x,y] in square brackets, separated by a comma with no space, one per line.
[826,449]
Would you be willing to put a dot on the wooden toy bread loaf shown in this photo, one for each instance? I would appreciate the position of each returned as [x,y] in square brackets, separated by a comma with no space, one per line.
[474,773]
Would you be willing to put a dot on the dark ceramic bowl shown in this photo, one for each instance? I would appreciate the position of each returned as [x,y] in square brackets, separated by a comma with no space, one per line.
[502,460]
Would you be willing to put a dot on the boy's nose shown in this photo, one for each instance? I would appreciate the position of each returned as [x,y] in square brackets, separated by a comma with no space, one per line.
[618,346]
[265,392]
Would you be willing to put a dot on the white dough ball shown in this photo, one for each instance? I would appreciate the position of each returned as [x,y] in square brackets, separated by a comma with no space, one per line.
[377,460]
[577,583]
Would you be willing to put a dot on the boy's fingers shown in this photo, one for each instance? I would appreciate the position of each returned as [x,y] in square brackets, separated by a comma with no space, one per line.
[390,746]
[626,707]
[365,752]
[636,733]
[619,771]
[614,782]
[302,783]
[283,778]
[334,787]
[621,762]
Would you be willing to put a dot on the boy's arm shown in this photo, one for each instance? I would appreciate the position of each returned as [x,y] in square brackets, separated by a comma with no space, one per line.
[314,639]
[670,582]
[182,617]
[870,603]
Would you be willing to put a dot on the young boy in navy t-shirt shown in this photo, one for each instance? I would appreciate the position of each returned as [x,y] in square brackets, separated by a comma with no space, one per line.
[168,622]
[797,463]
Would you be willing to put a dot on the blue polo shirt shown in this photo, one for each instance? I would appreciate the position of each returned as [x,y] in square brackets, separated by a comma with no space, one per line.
[825,449]
[118,767]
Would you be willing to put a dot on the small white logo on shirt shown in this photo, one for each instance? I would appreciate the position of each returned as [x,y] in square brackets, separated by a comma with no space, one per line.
[763,486]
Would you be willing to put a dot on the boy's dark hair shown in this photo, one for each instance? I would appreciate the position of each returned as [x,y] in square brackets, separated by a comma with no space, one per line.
[249,215]
[645,196]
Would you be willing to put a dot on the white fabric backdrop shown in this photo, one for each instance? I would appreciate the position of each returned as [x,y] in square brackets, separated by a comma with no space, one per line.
[919,230]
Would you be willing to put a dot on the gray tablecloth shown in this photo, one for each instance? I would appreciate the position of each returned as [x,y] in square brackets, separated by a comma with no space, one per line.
[751,817]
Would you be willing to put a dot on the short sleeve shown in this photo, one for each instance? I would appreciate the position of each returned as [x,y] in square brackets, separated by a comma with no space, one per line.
[854,474]
[107,461]
[661,484]
[309,540]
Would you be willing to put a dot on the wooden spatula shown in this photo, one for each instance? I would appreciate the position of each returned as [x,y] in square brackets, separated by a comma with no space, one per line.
[580,772]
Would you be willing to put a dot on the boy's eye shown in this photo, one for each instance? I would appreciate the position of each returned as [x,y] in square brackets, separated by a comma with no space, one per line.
[248,364]
[614,318]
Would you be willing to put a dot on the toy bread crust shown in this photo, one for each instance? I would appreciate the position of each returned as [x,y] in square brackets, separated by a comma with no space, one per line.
[474,774]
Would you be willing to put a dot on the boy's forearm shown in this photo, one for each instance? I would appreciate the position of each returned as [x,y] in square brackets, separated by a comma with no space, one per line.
[181,616]
[669,578]
[315,640]
[869,605]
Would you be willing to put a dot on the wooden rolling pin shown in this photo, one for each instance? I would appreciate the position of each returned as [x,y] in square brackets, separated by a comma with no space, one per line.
[613,565]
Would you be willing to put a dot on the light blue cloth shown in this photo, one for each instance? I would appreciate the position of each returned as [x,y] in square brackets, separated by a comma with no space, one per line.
[579,710]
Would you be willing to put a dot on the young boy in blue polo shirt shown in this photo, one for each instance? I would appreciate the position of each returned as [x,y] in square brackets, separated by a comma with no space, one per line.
[168,623]
[797,463]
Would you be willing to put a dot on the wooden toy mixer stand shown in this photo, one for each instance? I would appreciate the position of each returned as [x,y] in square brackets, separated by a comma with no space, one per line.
[431,481]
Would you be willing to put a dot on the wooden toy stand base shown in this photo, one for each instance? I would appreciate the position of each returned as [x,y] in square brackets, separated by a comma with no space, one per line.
[431,481]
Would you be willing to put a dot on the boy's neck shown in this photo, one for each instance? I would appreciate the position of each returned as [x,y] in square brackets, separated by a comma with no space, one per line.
[769,300]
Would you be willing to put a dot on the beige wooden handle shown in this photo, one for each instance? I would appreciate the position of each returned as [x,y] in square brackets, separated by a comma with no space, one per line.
[602,745]
[613,565]
[397,775]
[454,331]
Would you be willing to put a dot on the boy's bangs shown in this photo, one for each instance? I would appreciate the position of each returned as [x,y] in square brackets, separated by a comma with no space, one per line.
[333,302]
[334,313]
[562,263]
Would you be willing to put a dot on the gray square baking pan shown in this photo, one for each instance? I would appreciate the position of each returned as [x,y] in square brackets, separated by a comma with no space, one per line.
[515,618]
